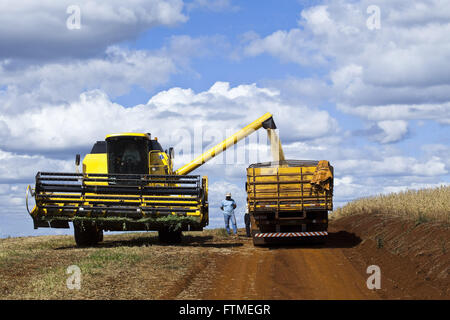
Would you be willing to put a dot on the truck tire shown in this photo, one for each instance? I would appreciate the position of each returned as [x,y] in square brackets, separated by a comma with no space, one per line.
[170,236]
[258,241]
[87,235]
[320,240]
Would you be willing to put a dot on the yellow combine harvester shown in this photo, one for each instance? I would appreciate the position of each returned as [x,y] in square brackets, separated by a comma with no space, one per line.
[128,183]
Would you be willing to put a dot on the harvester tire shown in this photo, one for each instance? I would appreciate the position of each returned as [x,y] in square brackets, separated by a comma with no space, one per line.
[87,235]
[100,235]
[170,236]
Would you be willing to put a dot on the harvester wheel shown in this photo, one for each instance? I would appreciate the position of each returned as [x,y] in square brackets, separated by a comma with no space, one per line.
[169,236]
[99,235]
[87,235]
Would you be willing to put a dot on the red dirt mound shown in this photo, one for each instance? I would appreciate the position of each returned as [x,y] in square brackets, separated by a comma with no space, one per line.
[414,257]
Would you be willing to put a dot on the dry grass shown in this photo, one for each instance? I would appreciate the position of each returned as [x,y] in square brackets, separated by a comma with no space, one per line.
[124,266]
[418,205]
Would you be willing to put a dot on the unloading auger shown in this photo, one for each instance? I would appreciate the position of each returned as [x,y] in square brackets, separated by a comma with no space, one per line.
[128,183]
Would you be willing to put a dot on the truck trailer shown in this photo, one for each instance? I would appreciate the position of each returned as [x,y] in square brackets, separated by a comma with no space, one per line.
[289,200]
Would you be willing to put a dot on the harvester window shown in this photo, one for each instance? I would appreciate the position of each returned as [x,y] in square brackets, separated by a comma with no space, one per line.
[127,155]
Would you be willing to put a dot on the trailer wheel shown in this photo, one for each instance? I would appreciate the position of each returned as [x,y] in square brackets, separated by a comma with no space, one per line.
[258,241]
[170,236]
[319,240]
[87,235]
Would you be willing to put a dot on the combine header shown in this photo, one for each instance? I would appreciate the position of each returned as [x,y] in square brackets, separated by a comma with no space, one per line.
[128,183]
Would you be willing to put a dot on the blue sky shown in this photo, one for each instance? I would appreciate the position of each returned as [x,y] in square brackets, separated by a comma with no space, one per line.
[374,99]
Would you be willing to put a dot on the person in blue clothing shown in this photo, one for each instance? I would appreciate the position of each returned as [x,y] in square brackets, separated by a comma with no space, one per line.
[228,206]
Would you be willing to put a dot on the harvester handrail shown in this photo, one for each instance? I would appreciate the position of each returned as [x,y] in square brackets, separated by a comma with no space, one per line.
[87,175]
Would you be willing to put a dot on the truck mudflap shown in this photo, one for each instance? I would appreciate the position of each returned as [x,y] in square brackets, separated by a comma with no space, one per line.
[291,234]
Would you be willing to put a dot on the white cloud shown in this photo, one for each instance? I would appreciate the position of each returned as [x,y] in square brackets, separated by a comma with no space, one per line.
[182,48]
[311,91]
[115,73]
[221,106]
[413,186]
[223,187]
[392,166]
[399,67]
[80,123]
[393,130]
[439,112]
[57,82]
[289,46]
[438,150]
[353,187]
[18,167]
[318,19]
[103,23]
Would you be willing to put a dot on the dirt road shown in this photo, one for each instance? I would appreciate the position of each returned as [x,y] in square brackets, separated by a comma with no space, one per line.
[288,272]
[413,259]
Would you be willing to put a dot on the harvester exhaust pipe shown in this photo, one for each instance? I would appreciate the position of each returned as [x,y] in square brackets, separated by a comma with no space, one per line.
[77,163]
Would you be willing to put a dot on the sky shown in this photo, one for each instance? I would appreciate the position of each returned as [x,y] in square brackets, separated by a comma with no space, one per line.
[363,84]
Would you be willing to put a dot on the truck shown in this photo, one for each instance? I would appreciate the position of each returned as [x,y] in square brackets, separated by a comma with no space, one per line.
[289,200]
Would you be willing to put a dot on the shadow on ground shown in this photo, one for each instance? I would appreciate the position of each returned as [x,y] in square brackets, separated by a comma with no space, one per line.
[339,239]
[188,240]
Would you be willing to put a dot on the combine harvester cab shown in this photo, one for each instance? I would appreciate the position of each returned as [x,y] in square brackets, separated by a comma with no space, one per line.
[128,184]
[289,200]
